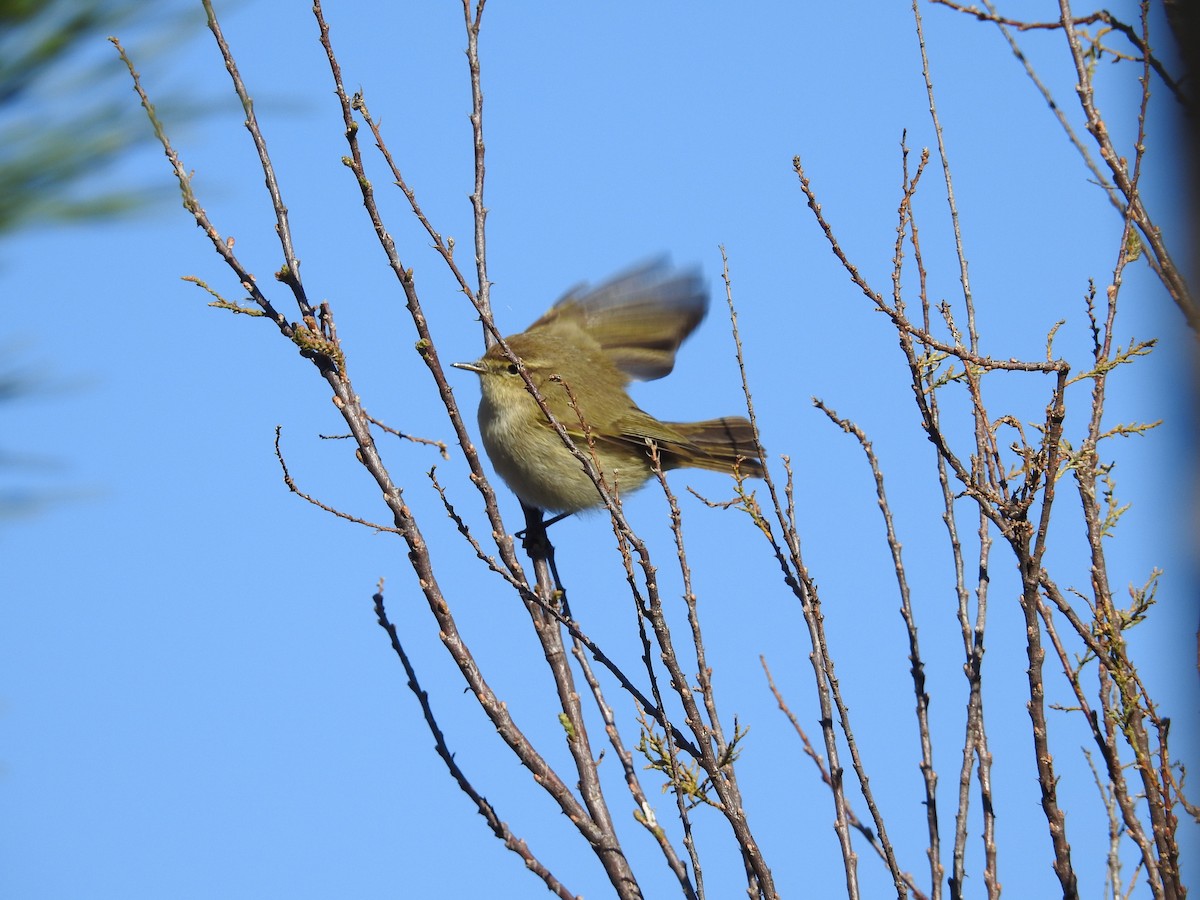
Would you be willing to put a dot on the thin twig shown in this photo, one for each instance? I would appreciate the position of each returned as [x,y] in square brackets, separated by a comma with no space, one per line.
[811,753]
[1103,15]
[291,486]
[1170,275]
[290,273]
[644,812]
[223,246]
[499,828]
[477,205]
[917,669]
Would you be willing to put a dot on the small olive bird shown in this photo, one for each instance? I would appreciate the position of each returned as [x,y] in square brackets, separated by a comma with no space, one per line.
[581,355]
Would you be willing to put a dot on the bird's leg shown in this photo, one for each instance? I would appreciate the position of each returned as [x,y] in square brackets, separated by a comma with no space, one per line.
[537,544]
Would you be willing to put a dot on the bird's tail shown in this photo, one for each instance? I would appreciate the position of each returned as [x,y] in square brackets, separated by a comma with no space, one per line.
[723,444]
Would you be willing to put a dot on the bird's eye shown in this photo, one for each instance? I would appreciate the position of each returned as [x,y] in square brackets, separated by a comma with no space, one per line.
[512,369]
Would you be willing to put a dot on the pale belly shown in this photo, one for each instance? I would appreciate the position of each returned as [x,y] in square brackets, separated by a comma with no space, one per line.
[541,471]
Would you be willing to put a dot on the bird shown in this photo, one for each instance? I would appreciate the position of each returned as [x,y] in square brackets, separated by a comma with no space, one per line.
[581,355]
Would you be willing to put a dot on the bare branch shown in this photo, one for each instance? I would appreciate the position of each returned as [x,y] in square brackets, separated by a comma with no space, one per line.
[499,828]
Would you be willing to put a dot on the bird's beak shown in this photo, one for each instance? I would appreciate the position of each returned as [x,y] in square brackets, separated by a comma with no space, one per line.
[476,367]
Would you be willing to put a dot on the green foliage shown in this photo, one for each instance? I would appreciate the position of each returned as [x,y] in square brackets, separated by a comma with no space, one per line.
[683,778]
[65,115]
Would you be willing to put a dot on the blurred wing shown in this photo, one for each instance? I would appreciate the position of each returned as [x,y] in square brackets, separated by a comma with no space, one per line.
[639,318]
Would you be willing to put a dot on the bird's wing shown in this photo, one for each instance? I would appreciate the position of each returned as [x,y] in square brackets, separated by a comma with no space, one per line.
[638,318]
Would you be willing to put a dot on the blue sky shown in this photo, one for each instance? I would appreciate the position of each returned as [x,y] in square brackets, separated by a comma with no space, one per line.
[194,696]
